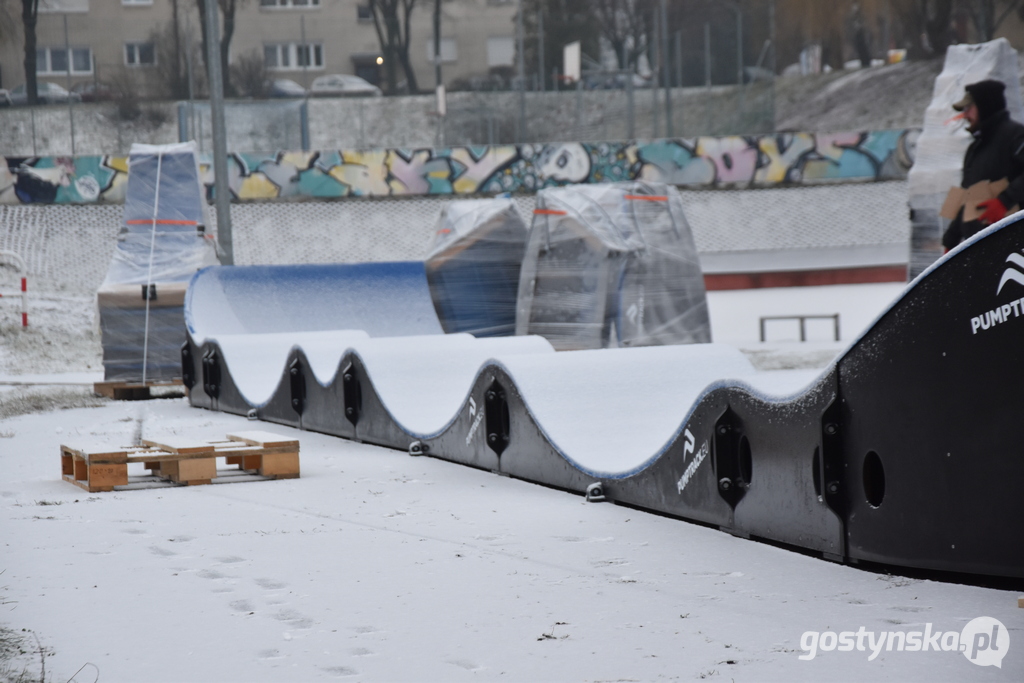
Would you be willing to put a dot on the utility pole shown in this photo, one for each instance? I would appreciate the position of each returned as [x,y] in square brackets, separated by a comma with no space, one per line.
[71,110]
[540,46]
[739,43]
[222,192]
[437,43]
[664,64]
[521,71]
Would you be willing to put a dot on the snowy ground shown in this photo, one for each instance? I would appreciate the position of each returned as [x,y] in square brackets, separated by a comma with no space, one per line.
[379,566]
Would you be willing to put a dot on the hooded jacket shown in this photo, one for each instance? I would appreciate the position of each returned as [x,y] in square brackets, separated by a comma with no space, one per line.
[997,152]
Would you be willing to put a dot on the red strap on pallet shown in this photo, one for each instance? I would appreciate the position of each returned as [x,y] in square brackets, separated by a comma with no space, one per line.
[159,221]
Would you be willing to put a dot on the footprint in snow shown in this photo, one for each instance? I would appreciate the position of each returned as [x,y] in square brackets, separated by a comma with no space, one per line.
[210,574]
[270,584]
[464,664]
[230,560]
[340,671]
[163,552]
[294,619]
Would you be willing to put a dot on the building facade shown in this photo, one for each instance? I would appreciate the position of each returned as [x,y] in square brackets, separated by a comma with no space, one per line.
[134,44]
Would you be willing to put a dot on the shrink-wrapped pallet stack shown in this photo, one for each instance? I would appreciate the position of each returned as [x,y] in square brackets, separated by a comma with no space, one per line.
[162,243]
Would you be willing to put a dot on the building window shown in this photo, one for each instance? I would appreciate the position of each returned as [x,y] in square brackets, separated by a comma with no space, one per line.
[292,56]
[363,13]
[137,2]
[54,60]
[288,4]
[63,6]
[449,51]
[139,54]
[501,51]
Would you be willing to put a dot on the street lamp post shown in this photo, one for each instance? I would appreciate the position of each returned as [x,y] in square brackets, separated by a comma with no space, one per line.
[221,189]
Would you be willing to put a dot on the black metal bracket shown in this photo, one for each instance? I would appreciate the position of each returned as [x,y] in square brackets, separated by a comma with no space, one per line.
[497,420]
[733,460]
[297,385]
[188,368]
[352,393]
[211,373]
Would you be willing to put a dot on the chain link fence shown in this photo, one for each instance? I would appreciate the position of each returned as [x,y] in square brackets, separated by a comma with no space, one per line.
[68,248]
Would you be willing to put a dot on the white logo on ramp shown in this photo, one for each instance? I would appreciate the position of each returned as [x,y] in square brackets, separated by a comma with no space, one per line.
[1012,273]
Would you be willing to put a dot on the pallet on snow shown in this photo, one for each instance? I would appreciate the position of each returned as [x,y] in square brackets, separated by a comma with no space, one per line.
[132,391]
[258,456]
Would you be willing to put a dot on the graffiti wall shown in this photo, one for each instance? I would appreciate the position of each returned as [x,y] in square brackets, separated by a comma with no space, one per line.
[726,162]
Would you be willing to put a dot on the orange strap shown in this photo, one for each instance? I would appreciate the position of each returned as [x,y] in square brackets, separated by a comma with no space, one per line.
[548,212]
[648,198]
[160,221]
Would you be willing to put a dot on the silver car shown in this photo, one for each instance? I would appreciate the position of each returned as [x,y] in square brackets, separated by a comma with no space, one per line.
[343,85]
[47,93]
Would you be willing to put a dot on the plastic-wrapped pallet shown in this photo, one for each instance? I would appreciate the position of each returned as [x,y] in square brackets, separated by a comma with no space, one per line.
[944,140]
[473,266]
[612,265]
[162,243]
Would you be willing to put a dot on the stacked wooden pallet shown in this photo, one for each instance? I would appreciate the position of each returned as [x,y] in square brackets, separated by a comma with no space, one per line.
[177,461]
[133,391]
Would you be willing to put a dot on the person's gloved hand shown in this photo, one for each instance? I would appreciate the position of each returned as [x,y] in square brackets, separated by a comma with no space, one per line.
[993,211]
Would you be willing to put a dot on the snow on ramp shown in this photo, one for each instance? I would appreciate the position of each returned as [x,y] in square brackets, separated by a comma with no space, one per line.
[382,299]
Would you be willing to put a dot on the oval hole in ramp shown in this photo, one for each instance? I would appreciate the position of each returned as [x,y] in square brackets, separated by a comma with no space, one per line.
[874,479]
[746,460]
[816,471]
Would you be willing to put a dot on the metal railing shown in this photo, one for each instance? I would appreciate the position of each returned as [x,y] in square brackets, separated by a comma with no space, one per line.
[803,323]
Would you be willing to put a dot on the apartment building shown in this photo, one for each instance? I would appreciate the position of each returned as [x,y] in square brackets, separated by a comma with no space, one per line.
[128,41]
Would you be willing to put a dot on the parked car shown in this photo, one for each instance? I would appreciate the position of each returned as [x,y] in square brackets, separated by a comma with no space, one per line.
[94,92]
[285,87]
[5,98]
[343,85]
[47,93]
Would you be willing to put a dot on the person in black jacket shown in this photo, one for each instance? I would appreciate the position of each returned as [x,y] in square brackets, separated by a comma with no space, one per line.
[997,152]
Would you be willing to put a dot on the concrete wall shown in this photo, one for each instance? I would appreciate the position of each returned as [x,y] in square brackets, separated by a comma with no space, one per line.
[473,118]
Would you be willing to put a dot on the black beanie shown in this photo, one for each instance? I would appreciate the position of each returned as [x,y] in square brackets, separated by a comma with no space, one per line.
[988,97]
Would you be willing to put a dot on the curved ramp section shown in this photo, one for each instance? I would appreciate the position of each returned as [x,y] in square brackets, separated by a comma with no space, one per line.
[902,453]
[382,299]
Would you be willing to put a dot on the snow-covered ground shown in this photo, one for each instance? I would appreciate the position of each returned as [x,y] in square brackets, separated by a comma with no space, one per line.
[379,566]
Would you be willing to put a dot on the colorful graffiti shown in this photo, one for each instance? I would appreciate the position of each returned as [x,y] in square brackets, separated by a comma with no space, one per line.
[737,162]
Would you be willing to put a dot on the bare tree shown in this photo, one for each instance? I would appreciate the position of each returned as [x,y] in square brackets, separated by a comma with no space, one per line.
[926,24]
[988,15]
[391,20]
[249,72]
[625,24]
[227,32]
[565,21]
[29,17]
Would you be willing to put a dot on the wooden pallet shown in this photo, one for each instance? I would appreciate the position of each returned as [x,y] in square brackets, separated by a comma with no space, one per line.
[176,461]
[131,391]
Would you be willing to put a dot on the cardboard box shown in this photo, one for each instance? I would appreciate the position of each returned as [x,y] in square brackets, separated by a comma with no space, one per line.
[970,198]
